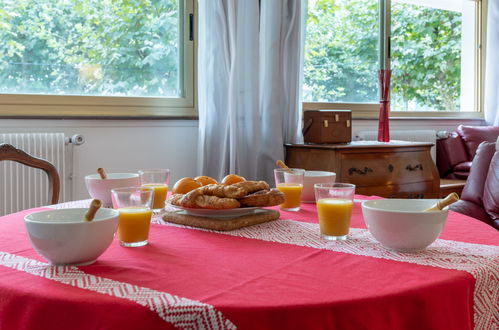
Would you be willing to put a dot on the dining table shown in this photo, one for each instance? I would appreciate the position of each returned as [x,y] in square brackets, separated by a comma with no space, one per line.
[275,275]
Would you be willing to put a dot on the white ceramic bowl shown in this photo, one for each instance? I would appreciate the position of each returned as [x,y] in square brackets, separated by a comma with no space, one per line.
[62,237]
[101,188]
[401,224]
[311,178]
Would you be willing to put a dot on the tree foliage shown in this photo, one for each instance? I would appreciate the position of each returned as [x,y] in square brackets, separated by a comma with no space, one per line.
[341,56]
[131,47]
[103,47]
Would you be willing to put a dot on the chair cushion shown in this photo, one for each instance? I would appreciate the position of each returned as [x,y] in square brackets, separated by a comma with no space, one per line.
[450,151]
[471,209]
[462,167]
[474,188]
[491,191]
[461,175]
[474,135]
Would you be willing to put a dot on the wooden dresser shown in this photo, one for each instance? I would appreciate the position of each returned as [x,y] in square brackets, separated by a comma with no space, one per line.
[397,169]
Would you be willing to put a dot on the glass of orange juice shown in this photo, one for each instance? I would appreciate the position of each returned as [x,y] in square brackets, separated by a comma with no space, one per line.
[158,180]
[334,207]
[290,182]
[134,205]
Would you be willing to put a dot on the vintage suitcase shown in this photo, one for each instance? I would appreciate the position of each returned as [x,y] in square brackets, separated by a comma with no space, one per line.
[327,126]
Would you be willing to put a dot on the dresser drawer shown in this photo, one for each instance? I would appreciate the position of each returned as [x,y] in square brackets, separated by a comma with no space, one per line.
[368,169]
[412,166]
[397,169]
[364,169]
[411,190]
[310,159]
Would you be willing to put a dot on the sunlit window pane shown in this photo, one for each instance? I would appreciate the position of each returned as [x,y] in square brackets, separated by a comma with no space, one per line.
[92,47]
[432,55]
[341,52]
[433,51]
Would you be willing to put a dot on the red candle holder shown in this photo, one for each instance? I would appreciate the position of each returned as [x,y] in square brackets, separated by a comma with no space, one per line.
[384,108]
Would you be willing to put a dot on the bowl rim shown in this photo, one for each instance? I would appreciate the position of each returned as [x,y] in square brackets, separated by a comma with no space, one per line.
[319,174]
[154,170]
[97,176]
[114,215]
[365,204]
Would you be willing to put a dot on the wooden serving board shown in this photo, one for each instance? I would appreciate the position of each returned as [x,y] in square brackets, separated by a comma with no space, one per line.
[222,224]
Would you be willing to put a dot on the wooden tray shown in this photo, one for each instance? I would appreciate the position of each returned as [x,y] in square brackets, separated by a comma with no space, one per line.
[222,224]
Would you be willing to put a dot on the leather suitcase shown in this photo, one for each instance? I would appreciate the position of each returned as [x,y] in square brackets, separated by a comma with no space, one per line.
[327,126]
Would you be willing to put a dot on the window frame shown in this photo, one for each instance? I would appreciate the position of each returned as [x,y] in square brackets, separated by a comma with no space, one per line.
[68,106]
[371,110]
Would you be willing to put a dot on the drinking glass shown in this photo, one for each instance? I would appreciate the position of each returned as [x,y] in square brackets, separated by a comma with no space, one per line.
[334,207]
[291,184]
[134,205]
[158,180]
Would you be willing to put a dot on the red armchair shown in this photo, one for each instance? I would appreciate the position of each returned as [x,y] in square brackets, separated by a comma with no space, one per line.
[455,152]
[480,196]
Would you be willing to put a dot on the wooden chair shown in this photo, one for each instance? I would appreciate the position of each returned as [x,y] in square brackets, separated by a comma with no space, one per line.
[9,152]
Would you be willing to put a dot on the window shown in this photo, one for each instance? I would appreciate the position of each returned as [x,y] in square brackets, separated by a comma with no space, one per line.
[96,57]
[434,55]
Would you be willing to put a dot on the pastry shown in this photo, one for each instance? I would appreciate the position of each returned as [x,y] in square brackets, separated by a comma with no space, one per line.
[263,198]
[235,190]
[175,199]
[196,199]
[221,190]
[251,186]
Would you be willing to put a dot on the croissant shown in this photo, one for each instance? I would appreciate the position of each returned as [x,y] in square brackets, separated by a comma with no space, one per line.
[214,202]
[196,199]
[235,190]
[263,198]
[251,186]
[220,190]
[175,199]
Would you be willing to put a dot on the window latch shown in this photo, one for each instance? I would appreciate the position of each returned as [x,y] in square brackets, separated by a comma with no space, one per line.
[191,27]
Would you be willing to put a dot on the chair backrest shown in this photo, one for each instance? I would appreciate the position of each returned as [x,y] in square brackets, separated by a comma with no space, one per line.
[474,135]
[9,152]
[478,199]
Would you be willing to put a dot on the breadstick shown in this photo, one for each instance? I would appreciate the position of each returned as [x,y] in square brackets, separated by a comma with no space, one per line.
[94,206]
[102,173]
[281,164]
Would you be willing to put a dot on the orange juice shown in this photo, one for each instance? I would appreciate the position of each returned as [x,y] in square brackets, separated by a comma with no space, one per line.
[133,224]
[159,196]
[334,216]
[292,194]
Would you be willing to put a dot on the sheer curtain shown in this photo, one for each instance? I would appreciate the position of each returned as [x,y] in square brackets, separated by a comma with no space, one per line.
[250,58]
[492,65]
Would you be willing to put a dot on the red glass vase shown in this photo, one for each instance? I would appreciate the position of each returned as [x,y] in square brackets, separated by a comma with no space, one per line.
[384,106]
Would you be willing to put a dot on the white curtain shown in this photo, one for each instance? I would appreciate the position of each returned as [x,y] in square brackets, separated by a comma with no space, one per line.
[250,56]
[492,65]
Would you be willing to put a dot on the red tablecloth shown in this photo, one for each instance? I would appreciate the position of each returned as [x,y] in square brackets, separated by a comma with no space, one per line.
[277,275]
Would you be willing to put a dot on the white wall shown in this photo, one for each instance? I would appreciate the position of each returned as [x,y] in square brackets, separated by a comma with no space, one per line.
[128,145]
[122,145]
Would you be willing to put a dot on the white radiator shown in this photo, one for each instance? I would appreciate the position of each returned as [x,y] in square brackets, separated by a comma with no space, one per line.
[23,187]
[409,135]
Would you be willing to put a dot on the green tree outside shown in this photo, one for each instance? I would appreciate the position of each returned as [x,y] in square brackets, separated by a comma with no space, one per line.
[93,47]
[131,48]
[341,56]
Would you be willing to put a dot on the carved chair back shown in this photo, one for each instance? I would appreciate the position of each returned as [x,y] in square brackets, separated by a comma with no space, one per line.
[9,152]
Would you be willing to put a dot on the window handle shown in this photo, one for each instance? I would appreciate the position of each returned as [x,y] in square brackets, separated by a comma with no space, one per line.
[191,27]
[389,50]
